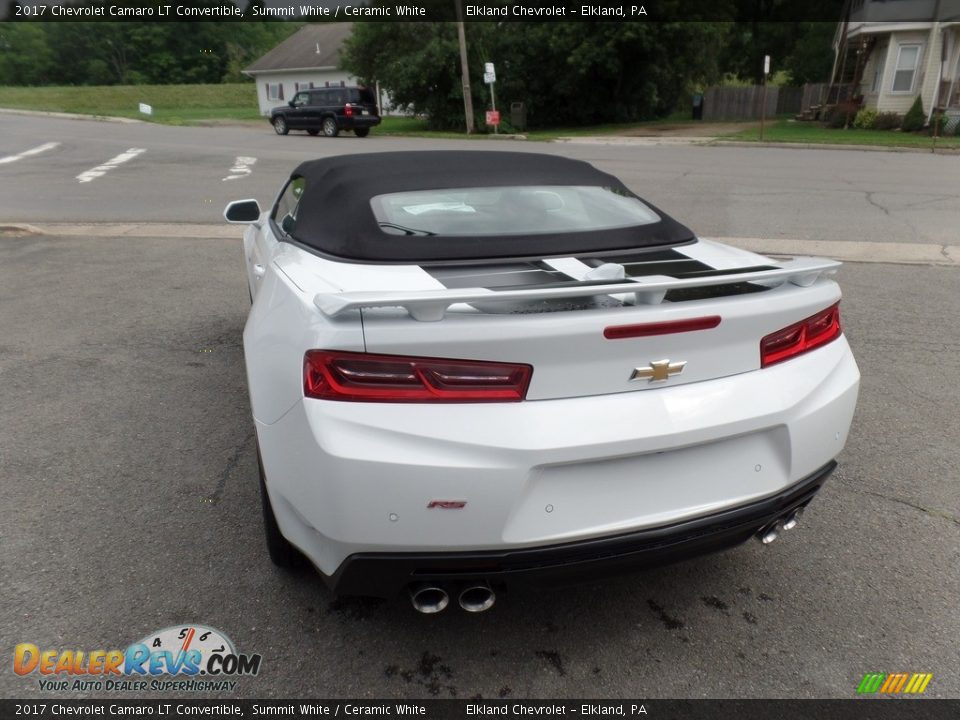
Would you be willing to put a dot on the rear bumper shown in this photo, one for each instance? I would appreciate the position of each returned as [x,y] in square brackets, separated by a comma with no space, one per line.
[358,480]
[358,121]
[386,574]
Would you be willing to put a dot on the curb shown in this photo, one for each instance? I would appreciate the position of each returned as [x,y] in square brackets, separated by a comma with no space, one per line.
[852,251]
[833,146]
[70,116]
[206,231]
[845,250]
[654,140]
[634,140]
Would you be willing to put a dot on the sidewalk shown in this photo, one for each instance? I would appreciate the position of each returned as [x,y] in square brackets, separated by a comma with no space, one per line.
[652,140]
[845,250]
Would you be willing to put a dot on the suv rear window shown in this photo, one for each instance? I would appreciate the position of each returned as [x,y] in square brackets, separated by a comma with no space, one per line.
[361,96]
[526,210]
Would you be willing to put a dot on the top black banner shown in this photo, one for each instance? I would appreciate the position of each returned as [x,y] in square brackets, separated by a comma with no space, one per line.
[474,11]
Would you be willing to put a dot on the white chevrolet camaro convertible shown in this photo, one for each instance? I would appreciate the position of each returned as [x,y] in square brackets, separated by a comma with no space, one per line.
[476,370]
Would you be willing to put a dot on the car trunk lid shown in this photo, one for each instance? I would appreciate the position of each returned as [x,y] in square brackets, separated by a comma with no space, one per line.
[603,343]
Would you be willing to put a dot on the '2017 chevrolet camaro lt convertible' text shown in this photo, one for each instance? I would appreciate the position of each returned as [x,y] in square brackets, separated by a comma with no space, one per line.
[474,370]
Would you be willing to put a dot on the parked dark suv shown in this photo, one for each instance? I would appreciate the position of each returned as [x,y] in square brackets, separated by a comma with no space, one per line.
[328,110]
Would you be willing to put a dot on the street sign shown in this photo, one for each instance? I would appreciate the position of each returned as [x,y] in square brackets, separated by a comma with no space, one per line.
[489,73]
[493,117]
[766,64]
[489,79]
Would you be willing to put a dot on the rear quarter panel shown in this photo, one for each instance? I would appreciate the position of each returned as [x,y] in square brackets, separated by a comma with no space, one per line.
[283,324]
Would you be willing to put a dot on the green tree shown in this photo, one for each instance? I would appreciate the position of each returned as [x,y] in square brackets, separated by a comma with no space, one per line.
[811,59]
[769,27]
[25,56]
[566,73]
[108,53]
[915,119]
[418,63]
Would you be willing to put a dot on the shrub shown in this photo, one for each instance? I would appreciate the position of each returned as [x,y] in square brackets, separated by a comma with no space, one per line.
[866,119]
[887,121]
[938,124]
[914,119]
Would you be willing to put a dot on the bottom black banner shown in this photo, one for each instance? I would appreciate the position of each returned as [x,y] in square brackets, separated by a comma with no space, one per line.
[861,709]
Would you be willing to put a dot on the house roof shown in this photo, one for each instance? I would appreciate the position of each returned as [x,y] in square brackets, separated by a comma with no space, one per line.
[315,45]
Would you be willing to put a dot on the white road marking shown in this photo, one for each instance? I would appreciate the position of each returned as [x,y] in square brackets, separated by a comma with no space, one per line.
[101,170]
[27,153]
[242,167]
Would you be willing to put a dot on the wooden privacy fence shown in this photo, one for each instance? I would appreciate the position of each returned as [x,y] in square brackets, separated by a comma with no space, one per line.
[737,103]
[814,94]
[743,103]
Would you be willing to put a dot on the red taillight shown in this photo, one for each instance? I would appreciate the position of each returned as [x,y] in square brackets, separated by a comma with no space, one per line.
[800,337]
[348,110]
[619,332]
[364,377]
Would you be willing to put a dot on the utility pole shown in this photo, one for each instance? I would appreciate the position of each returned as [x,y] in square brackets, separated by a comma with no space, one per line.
[464,70]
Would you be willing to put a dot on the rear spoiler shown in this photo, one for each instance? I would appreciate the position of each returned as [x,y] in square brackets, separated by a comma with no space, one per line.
[431,305]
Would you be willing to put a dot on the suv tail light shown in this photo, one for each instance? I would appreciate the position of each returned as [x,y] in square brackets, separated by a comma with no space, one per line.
[366,377]
[813,332]
[348,110]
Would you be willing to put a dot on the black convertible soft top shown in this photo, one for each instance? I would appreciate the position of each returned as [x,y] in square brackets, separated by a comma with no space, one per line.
[334,215]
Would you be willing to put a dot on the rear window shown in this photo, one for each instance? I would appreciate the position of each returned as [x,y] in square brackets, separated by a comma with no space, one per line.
[523,210]
[361,96]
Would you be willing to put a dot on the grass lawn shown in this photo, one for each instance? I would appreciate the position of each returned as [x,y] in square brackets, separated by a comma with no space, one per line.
[411,126]
[202,104]
[812,132]
[172,104]
[417,127]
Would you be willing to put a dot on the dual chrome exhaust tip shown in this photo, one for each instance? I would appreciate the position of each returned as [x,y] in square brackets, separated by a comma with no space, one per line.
[768,533]
[430,599]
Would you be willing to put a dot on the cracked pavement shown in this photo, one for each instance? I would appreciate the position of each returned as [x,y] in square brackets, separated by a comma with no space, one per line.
[129,475]
[128,471]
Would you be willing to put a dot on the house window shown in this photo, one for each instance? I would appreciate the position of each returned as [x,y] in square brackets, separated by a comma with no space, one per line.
[304,86]
[878,69]
[275,91]
[908,58]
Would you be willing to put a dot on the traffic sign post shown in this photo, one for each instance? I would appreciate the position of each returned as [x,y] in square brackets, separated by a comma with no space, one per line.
[763,95]
[490,78]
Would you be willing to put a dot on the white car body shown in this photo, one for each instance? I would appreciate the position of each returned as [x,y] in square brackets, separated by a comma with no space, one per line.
[381,495]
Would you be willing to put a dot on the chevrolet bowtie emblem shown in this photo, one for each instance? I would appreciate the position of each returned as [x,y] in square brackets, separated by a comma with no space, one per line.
[658,370]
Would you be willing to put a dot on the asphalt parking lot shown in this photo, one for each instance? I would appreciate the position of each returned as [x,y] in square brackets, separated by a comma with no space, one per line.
[128,472]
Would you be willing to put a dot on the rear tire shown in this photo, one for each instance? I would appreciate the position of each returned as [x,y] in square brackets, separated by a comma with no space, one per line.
[281,551]
[280,125]
[361,132]
[330,128]
[313,131]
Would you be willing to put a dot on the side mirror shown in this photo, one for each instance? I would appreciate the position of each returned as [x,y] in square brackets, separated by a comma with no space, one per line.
[291,104]
[242,212]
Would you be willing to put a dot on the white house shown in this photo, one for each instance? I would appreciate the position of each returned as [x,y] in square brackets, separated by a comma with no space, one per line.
[896,51]
[307,59]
